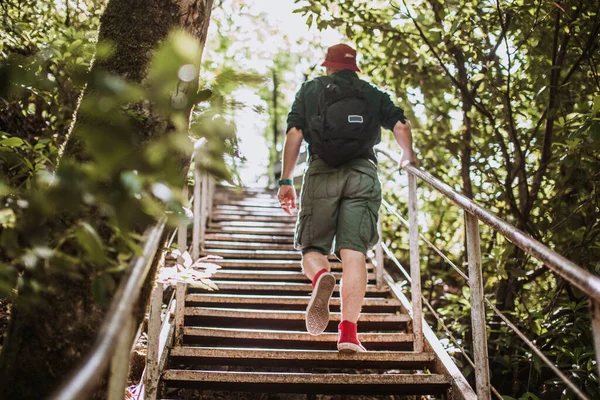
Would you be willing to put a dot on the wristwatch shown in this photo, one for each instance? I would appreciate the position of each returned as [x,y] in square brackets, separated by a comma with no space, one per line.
[285,182]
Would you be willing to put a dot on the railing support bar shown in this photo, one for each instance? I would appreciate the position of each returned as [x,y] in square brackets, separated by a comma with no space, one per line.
[480,350]
[415,264]
[152,359]
[119,365]
[179,311]
[211,196]
[596,329]
[379,253]
[182,230]
[197,213]
[205,211]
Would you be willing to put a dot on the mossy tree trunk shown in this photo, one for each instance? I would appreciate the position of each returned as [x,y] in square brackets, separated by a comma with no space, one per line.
[46,339]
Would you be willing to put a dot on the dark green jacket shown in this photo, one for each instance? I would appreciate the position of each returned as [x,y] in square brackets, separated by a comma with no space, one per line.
[307,99]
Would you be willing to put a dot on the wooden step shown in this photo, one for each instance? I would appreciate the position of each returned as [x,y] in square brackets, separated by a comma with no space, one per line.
[253,238]
[242,313]
[251,212]
[217,245]
[225,217]
[270,275]
[283,264]
[251,231]
[261,254]
[295,338]
[257,254]
[366,338]
[275,285]
[275,226]
[255,204]
[281,300]
[299,358]
[247,210]
[309,383]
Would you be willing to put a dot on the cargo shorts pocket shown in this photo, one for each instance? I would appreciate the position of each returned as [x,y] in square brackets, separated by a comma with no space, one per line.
[303,234]
[368,227]
[323,184]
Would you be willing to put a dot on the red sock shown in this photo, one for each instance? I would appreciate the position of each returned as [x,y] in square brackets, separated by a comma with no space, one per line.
[317,275]
[348,332]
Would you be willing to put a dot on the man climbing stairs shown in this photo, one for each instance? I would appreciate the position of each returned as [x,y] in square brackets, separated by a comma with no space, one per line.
[250,335]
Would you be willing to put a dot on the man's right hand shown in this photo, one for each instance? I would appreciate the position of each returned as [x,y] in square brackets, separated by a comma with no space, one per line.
[409,158]
[287,198]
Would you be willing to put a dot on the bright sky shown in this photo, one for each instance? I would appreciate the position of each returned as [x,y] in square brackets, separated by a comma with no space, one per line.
[251,125]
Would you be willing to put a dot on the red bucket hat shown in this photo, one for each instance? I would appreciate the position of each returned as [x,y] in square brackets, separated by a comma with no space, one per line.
[341,56]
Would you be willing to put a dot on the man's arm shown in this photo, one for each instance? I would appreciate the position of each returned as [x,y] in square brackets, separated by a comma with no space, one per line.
[291,150]
[403,134]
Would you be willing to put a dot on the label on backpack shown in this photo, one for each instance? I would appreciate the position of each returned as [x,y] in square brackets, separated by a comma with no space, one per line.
[355,119]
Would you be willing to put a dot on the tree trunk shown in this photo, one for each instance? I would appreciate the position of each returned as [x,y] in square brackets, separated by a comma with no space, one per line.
[48,338]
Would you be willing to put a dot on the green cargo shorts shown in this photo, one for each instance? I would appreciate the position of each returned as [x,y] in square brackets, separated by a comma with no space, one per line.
[338,207]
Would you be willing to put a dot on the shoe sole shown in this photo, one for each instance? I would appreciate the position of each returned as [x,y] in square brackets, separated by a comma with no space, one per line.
[350,348]
[317,312]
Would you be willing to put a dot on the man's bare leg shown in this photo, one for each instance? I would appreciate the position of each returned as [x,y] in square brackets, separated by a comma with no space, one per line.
[316,268]
[354,283]
[354,287]
[313,262]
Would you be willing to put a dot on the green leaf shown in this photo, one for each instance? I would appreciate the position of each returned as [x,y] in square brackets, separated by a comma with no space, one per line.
[12,142]
[89,239]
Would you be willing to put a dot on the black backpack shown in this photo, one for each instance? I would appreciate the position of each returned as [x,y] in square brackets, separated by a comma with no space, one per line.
[343,129]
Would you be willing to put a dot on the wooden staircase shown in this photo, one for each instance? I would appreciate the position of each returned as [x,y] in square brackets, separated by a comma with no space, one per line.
[249,336]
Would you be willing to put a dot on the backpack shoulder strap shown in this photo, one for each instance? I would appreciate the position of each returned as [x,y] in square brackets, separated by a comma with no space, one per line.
[326,80]
[358,83]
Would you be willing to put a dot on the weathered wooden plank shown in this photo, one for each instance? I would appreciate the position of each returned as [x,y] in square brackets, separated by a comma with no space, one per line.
[285,315]
[272,275]
[280,300]
[304,378]
[249,217]
[276,226]
[263,334]
[262,354]
[266,286]
[258,238]
[216,245]
[251,231]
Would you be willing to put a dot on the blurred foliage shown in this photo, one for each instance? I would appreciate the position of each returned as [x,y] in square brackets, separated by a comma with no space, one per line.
[508,90]
[82,218]
[46,49]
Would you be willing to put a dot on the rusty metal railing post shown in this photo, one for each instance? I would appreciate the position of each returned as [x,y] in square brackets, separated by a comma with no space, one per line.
[204,209]
[180,290]
[415,263]
[211,195]
[182,230]
[154,323]
[480,350]
[197,213]
[379,253]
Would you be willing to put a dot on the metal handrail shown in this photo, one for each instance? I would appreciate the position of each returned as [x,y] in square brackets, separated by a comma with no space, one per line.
[91,372]
[576,275]
[579,277]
